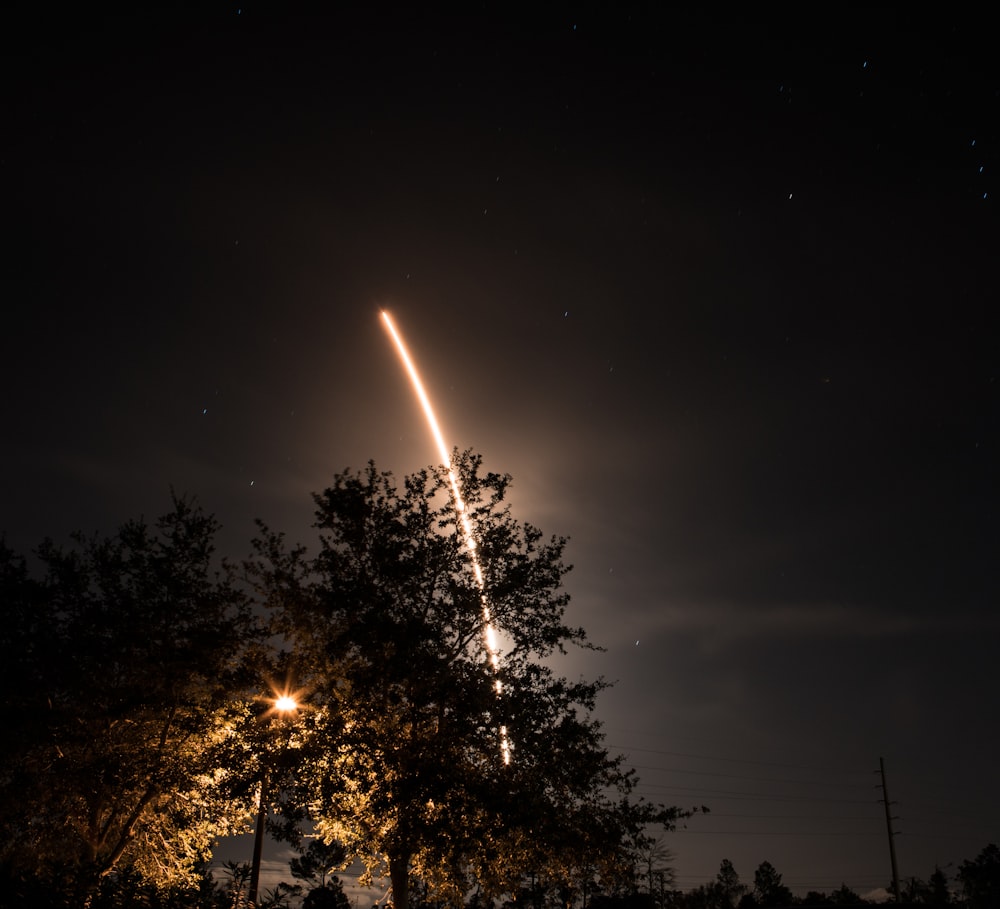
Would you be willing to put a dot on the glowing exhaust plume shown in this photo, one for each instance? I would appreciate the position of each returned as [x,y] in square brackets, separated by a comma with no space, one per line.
[489,634]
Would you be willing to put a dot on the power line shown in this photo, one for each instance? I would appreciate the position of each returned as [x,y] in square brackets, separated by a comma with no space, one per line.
[806,795]
[708,757]
[687,831]
[733,795]
[798,817]
[947,837]
[755,779]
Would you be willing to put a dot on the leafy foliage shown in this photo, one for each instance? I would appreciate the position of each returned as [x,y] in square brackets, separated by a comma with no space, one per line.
[654,861]
[980,878]
[132,743]
[328,896]
[403,762]
[768,890]
[315,865]
[725,892]
[123,669]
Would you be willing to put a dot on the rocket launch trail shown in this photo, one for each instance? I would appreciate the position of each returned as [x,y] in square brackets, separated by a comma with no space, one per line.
[489,632]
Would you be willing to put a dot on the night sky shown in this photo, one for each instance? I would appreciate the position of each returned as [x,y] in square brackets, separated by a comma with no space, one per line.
[718,292]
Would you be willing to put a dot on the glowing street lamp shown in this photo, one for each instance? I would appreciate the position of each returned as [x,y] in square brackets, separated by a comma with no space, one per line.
[283,707]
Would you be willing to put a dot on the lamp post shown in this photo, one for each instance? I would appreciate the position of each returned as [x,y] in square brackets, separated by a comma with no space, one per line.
[283,706]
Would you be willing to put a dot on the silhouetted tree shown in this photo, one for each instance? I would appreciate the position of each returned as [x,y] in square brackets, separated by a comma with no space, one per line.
[238,874]
[912,890]
[121,667]
[724,892]
[845,896]
[632,900]
[932,892]
[328,896]
[728,884]
[938,892]
[128,889]
[654,860]
[980,879]
[707,896]
[768,890]
[317,861]
[315,866]
[404,764]
[280,896]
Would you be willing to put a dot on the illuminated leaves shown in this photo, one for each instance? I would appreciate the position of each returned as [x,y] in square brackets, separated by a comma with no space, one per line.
[405,766]
[131,672]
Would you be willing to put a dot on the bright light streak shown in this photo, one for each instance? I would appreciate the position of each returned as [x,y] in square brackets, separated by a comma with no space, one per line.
[419,387]
[489,633]
[286,704]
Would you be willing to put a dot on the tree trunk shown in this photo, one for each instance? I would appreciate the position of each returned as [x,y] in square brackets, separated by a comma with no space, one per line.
[399,876]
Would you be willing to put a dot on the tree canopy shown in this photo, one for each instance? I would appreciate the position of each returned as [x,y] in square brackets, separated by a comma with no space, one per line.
[402,758]
[768,890]
[980,878]
[124,670]
[133,669]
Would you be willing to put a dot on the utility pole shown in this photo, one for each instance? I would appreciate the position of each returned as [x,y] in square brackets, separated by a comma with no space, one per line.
[888,826]
[258,842]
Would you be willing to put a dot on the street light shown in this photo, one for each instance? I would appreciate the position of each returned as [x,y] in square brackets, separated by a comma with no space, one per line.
[283,706]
